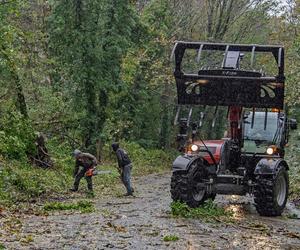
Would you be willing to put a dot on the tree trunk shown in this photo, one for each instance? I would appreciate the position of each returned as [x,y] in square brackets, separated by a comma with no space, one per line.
[165,117]
[20,97]
[21,103]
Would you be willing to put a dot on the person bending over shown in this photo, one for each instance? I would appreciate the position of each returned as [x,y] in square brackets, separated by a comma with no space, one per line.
[84,163]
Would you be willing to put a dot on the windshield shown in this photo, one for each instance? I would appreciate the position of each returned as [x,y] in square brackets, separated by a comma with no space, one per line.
[258,131]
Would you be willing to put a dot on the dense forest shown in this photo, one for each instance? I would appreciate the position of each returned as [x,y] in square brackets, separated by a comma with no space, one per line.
[86,73]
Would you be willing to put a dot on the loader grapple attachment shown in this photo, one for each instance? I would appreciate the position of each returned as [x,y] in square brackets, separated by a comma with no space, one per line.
[228,85]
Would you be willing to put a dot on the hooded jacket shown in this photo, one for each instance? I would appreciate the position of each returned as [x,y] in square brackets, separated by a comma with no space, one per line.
[122,156]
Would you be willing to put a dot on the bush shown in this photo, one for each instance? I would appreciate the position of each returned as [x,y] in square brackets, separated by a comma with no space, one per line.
[61,154]
[17,136]
[145,161]
[20,182]
[293,157]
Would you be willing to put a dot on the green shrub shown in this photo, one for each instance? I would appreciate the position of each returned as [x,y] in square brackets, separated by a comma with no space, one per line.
[21,181]
[61,154]
[208,211]
[145,161]
[168,238]
[292,157]
[82,206]
[17,136]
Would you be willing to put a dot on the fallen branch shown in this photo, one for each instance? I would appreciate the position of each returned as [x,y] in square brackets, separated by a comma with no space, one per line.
[261,229]
[118,203]
[47,122]
[73,140]
[292,235]
[42,162]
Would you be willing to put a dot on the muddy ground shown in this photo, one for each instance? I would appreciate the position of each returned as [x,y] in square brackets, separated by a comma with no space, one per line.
[143,221]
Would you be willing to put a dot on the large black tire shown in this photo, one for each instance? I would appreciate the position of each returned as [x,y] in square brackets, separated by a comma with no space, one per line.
[187,186]
[270,194]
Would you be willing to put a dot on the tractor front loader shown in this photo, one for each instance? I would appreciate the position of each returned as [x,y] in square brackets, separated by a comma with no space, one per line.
[250,159]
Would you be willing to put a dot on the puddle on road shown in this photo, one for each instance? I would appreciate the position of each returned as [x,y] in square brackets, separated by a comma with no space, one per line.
[243,207]
[237,211]
[239,206]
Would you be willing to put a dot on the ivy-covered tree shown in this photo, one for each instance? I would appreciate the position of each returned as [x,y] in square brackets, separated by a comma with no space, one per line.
[89,38]
[11,38]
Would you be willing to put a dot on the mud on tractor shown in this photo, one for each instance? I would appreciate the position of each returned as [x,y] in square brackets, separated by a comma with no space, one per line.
[250,159]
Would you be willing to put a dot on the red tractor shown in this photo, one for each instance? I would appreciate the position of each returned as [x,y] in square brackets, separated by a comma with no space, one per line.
[250,159]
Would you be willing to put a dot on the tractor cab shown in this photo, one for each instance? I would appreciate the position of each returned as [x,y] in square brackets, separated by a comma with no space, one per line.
[263,131]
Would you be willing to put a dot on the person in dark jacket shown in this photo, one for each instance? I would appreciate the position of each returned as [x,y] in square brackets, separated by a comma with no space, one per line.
[86,161]
[124,166]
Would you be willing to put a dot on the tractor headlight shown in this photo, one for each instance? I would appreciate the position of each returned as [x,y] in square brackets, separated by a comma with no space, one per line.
[194,148]
[270,151]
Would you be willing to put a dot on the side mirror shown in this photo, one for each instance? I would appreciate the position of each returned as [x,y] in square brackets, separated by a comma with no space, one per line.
[293,124]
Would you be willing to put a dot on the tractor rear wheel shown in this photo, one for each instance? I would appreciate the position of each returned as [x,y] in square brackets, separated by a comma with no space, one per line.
[271,192]
[189,186]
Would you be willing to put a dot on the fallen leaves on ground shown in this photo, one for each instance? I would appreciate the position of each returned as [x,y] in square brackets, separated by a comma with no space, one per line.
[117,228]
[292,235]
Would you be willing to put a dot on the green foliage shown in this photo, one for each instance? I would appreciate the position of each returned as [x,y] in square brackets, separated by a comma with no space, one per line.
[100,33]
[61,154]
[168,238]
[293,158]
[9,35]
[144,160]
[2,247]
[208,211]
[138,110]
[16,136]
[22,182]
[83,206]
[292,216]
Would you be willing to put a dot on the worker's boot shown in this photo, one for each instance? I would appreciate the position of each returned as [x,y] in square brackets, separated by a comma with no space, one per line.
[128,194]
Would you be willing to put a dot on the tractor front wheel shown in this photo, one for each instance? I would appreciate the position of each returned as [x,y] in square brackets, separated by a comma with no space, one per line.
[189,187]
[271,192]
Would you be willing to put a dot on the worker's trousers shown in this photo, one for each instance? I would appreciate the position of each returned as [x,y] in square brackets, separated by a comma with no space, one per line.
[126,178]
[79,176]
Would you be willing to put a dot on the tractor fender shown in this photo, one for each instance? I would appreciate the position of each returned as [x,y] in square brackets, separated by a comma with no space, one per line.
[183,162]
[269,166]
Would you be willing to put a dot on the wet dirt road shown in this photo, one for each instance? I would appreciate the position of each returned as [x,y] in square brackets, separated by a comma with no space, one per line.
[143,221]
